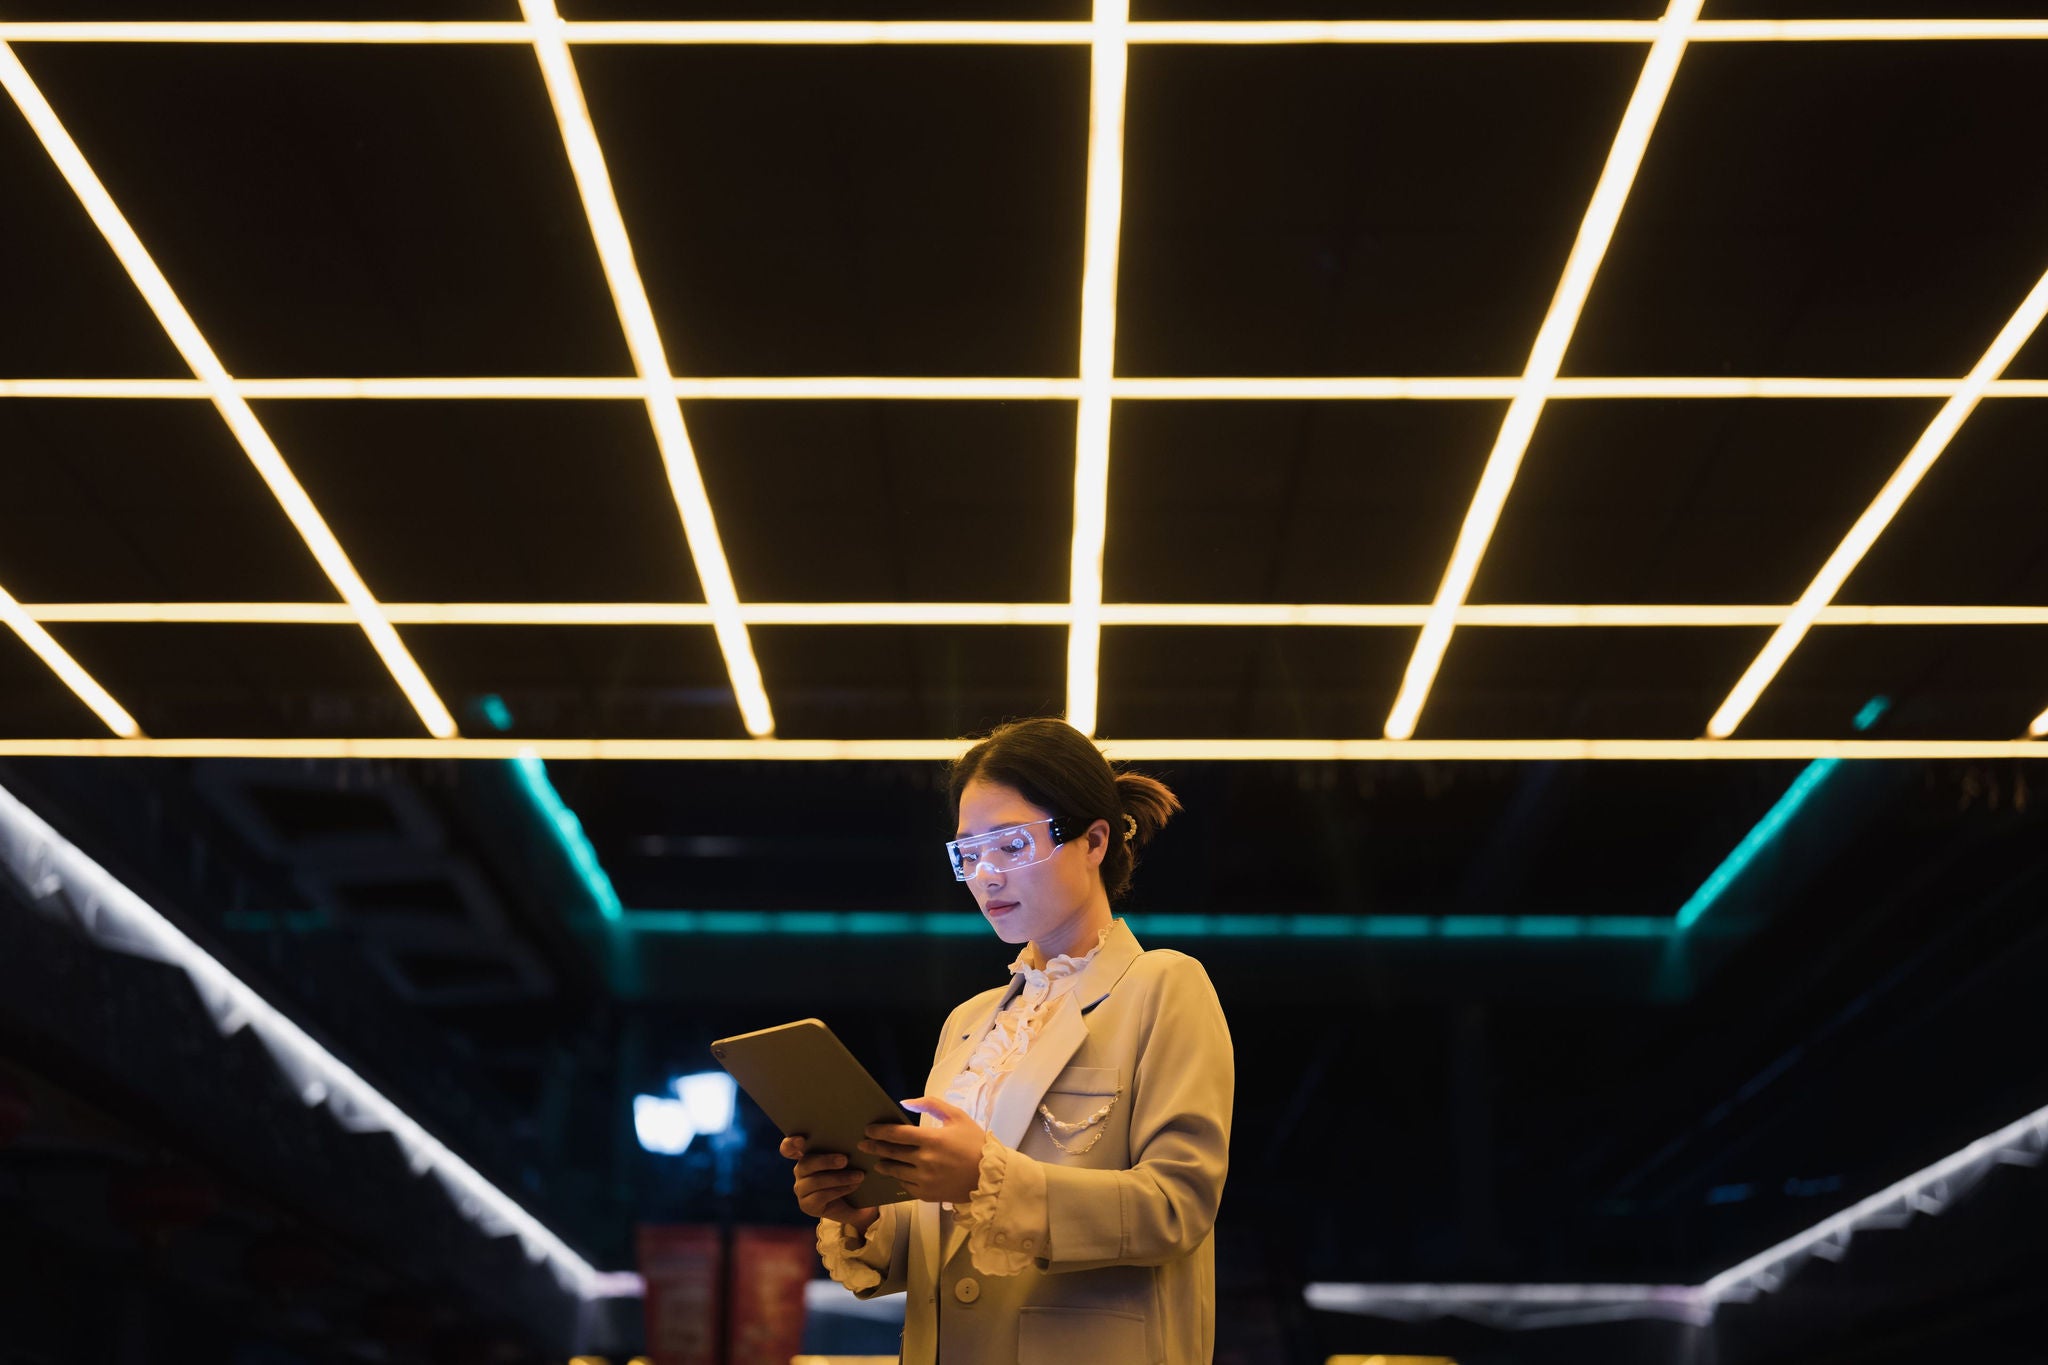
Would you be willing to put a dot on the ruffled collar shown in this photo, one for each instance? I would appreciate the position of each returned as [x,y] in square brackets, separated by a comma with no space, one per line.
[1065,964]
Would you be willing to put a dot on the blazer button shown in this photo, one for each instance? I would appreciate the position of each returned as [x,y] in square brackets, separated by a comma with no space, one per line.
[968,1290]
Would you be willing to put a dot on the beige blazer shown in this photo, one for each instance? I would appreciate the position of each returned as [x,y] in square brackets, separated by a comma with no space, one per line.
[1126,1273]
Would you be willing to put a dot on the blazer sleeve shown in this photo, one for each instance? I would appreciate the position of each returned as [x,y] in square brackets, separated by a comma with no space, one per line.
[1165,1204]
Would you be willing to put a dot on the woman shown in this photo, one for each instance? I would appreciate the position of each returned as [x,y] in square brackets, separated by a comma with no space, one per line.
[1075,1130]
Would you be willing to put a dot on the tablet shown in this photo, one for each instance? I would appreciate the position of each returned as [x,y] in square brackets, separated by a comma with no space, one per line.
[806,1082]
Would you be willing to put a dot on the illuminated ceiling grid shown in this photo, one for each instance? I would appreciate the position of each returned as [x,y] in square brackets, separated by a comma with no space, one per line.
[1094,390]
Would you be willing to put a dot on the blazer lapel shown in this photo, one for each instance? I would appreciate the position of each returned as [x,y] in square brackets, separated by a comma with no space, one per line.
[1018,1097]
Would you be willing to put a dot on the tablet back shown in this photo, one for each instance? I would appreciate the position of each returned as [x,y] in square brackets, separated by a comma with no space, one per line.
[806,1082]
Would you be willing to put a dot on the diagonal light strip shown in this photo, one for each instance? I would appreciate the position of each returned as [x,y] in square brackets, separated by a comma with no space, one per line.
[23,623]
[116,917]
[234,409]
[1315,614]
[1869,526]
[1596,230]
[1928,1190]
[853,387]
[643,339]
[1133,750]
[1024,32]
[1110,69]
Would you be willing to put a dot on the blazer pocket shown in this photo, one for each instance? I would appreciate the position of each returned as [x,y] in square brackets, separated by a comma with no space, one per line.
[1084,1080]
[1072,1336]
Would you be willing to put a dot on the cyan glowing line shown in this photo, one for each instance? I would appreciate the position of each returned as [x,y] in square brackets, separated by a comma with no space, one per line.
[1772,824]
[941,924]
[568,831]
[1755,841]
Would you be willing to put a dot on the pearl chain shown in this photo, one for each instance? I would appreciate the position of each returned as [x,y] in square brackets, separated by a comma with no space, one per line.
[1052,1123]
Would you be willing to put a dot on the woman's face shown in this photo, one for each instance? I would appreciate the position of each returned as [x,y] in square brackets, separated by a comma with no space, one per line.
[1026,904]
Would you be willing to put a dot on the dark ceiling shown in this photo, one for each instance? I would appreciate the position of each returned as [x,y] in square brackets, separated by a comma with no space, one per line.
[1506,1107]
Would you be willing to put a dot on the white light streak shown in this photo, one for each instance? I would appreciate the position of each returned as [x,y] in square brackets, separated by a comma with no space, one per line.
[241,419]
[643,339]
[1110,66]
[118,919]
[1134,750]
[1419,389]
[1515,1305]
[1927,1190]
[1878,515]
[1596,230]
[1312,614]
[1013,33]
[82,684]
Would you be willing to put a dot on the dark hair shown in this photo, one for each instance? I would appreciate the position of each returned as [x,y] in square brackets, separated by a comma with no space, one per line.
[1058,769]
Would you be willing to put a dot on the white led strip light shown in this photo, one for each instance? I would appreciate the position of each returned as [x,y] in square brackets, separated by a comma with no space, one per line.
[235,410]
[1109,72]
[1011,33]
[24,624]
[643,339]
[1425,389]
[1596,230]
[1321,614]
[1878,515]
[45,863]
[1134,750]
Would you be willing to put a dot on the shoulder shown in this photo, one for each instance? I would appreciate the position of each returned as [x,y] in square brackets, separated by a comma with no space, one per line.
[1171,977]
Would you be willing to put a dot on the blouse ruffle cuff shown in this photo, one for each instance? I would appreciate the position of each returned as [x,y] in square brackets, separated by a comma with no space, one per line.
[855,1267]
[1006,1215]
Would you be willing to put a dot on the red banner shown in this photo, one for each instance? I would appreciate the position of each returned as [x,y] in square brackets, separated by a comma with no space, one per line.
[770,1267]
[680,1264]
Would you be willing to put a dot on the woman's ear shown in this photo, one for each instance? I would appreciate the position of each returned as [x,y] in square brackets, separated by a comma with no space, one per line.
[1098,842]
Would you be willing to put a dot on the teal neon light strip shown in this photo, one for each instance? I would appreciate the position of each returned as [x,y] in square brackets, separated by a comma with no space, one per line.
[908,924]
[568,831]
[1772,825]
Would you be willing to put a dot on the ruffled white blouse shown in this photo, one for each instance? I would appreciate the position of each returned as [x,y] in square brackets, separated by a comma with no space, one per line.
[858,1261]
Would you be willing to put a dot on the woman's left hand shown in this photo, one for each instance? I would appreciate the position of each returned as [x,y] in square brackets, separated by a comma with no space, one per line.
[941,1164]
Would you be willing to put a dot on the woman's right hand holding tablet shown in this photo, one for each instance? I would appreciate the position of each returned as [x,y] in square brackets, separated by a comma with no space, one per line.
[822,1184]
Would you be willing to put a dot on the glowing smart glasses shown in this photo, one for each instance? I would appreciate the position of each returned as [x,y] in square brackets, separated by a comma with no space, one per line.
[1005,850]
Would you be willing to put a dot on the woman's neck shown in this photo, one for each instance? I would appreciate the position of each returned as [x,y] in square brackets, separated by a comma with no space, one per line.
[1075,937]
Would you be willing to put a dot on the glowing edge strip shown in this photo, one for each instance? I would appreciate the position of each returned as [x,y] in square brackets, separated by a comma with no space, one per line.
[1928,1190]
[1134,750]
[1007,33]
[1515,1305]
[1596,230]
[1878,515]
[1109,71]
[1760,834]
[859,387]
[953,924]
[532,776]
[241,419]
[1123,614]
[23,623]
[118,919]
[643,338]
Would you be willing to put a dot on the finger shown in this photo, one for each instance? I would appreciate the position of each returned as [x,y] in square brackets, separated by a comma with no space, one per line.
[894,1132]
[935,1104]
[902,1151]
[792,1146]
[821,1161]
[895,1169]
[828,1186]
